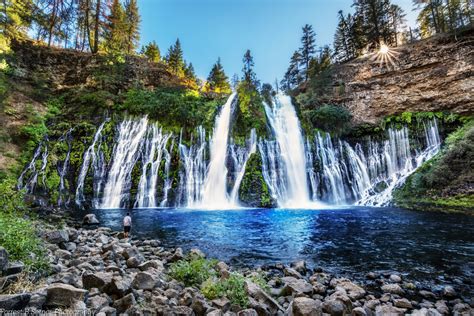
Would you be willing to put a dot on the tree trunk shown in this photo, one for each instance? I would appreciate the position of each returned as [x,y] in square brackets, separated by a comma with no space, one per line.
[53,22]
[96,30]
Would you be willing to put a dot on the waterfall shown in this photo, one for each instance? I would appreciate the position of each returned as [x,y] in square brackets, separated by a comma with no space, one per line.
[62,170]
[152,153]
[90,153]
[193,173]
[167,183]
[125,154]
[214,195]
[32,171]
[285,160]
[240,156]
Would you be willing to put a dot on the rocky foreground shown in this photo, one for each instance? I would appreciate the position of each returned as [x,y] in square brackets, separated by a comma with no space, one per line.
[96,271]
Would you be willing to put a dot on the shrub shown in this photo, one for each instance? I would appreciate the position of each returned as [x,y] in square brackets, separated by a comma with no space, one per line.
[18,234]
[193,271]
[330,118]
[233,288]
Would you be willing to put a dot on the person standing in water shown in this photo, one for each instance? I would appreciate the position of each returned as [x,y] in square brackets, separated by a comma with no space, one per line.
[127,225]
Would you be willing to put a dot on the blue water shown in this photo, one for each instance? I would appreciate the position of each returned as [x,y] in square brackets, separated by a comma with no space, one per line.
[353,241]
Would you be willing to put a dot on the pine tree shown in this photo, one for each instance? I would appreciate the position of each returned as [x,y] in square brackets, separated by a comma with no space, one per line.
[132,25]
[293,76]
[15,17]
[343,45]
[152,52]
[249,76]
[217,81]
[430,16]
[397,20]
[307,49]
[115,34]
[175,60]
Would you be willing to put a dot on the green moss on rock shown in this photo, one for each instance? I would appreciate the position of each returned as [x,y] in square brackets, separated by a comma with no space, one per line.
[254,191]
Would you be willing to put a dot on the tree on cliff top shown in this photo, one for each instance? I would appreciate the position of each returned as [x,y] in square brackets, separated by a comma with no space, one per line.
[132,25]
[307,49]
[115,33]
[249,76]
[217,81]
[152,52]
[175,60]
[15,17]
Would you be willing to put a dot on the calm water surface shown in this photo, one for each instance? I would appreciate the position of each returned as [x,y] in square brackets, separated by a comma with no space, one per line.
[353,240]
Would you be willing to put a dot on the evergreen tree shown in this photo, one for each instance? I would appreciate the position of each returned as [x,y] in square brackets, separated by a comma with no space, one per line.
[430,16]
[115,34]
[152,52]
[307,49]
[15,17]
[293,76]
[217,81]
[175,60]
[249,77]
[132,25]
[190,76]
[397,19]
[343,44]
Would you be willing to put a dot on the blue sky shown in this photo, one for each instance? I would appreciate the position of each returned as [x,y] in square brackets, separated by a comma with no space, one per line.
[271,29]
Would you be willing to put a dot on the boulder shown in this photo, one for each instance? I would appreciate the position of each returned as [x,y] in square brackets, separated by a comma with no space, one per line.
[3,260]
[14,267]
[388,309]
[37,300]
[90,219]
[392,289]
[57,236]
[303,306]
[96,303]
[247,312]
[14,301]
[395,278]
[402,303]
[133,262]
[144,281]
[299,266]
[354,291]
[177,255]
[334,307]
[124,303]
[359,311]
[64,295]
[254,291]
[221,303]
[155,264]
[195,252]
[295,286]
[97,280]
[449,292]
[200,306]
[427,294]
[119,286]
[428,312]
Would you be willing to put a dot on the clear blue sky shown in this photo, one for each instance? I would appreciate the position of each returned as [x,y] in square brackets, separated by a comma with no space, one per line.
[271,29]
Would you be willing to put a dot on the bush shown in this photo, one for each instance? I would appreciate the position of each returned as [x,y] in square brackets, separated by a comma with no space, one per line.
[233,288]
[18,234]
[193,271]
[330,118]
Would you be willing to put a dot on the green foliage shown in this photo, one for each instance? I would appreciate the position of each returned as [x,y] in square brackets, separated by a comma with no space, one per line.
[172,107]
[251,113]
[233,288]
[175,60]
[18,234]
[152,52]
[330,118]
[254,190]
[443,182]
[193,271]
[416,120]
[217,81]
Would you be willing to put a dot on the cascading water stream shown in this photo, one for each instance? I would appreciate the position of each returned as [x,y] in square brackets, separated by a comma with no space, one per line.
[62,170]
[125,155]
[289,185]
[214,195]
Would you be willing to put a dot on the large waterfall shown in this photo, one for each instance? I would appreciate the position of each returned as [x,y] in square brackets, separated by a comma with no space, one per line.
[145,169]
[215,194]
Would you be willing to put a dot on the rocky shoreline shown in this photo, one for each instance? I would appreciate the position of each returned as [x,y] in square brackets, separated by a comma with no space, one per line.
[94,270]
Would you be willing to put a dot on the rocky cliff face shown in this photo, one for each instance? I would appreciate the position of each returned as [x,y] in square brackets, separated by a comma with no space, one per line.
[62,68]
[429,75]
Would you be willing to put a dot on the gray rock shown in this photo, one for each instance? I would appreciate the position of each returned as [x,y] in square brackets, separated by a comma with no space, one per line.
[119,286]
[392,289]
[359,311]
[292,273]
[425,312]
[108,311]
[182,311]
[303,306]
[223,269]
[299,266]
[214,312]
[448,291]
[14,267]
[334,307]
[96,280]
[96,303]
[70,246]
[155,264]
[247,312]
[442,307]
[221,303]
[462,309]
[171,293]
[144,281]
[295,286]
[37,300]
[395,278]
[354,291]
[14,301]
[63,254]
[133,262]
[383,310]
[427,294]
[3,260]
[177,255]
[200,306]
[197,253]
[90,219]
[124,303]
[131,252]
[57,236]
[402,303]
[255,292]
[64,295]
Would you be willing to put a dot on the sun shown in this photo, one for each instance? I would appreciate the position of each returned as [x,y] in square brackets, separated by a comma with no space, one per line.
[385,55]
